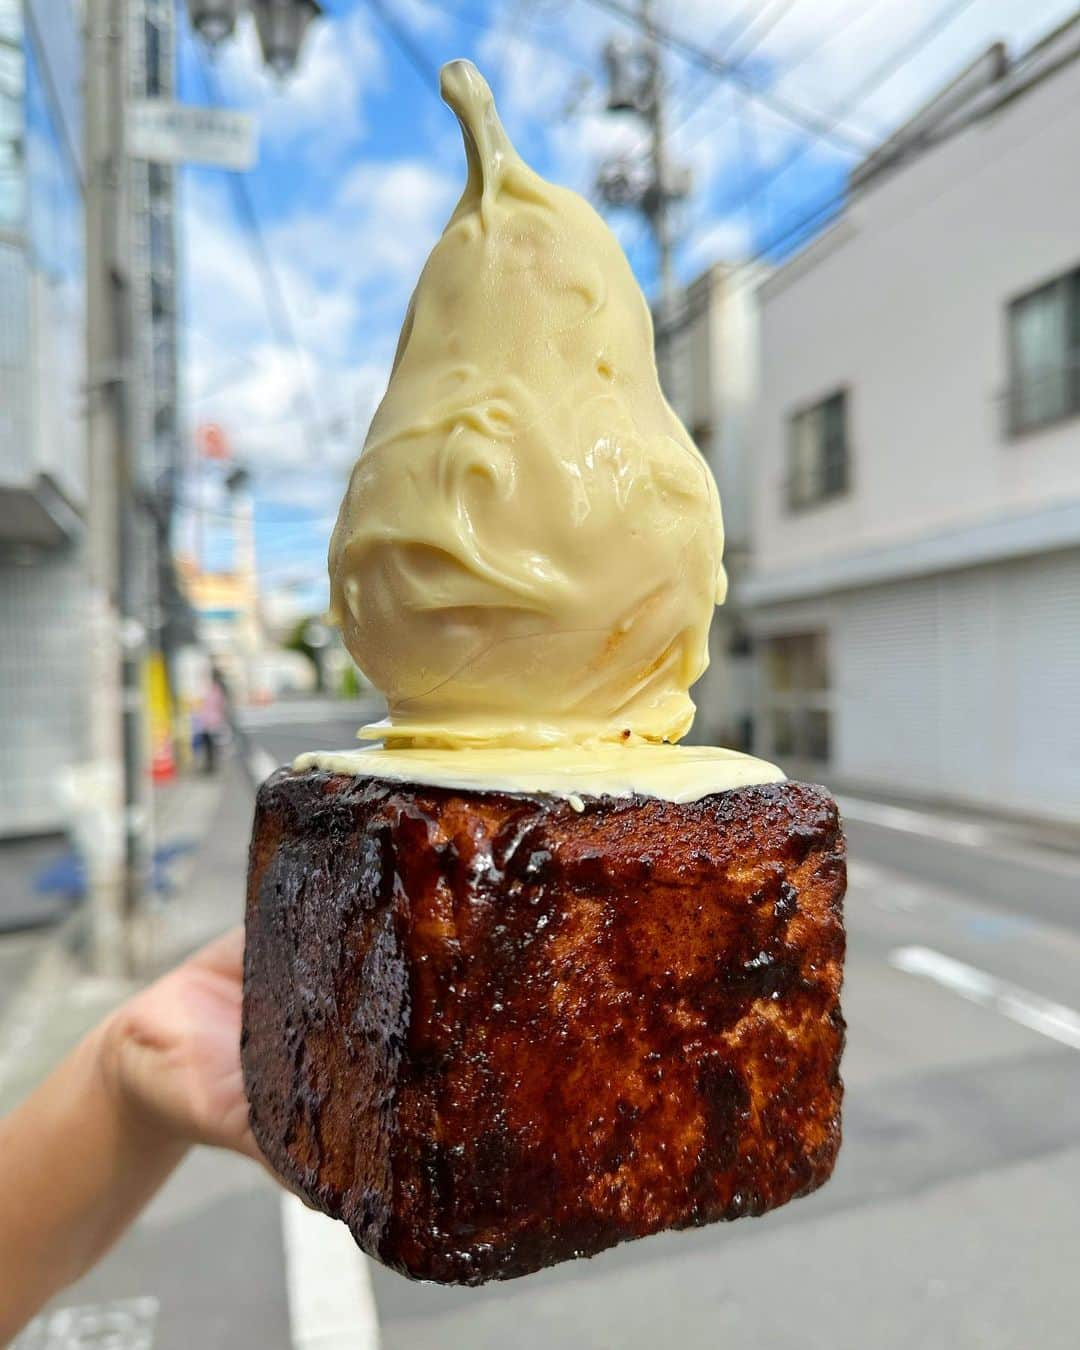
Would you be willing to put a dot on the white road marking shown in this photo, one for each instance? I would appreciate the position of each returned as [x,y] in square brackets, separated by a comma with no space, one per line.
[1051,1019]
[127,1324]
[262,764]
[331,1304]
[967,832]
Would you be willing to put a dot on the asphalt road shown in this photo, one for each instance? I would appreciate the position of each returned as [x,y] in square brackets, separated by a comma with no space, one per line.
[951,1222]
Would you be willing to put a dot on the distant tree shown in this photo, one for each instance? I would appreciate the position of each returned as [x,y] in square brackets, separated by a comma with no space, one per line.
[309,636]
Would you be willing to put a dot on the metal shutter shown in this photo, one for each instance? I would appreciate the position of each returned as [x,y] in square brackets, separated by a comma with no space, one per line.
[43,680]
[884,656]
[965,686]
[1041,649]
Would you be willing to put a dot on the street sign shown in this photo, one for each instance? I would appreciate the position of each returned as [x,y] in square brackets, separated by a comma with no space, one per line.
[181,133]
[212,441]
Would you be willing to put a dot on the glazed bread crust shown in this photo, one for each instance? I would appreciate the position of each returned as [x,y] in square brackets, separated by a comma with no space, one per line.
[492,1033]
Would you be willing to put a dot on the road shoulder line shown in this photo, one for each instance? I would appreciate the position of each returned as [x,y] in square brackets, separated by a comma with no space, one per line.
[1054,1020]
[331,1301]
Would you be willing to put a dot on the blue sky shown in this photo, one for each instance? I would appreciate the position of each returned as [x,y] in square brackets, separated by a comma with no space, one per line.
[360,165]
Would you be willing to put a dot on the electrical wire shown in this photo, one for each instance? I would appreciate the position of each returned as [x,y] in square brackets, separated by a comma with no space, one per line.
[884,71]
[277,309]
[824,128]
[527,33]
[737,58]
[828,207]
[741,108]
[853,15]
[421,63]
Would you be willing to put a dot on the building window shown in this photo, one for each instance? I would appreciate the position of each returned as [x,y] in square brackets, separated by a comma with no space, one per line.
[1044,354]
[818,452]
[797,711]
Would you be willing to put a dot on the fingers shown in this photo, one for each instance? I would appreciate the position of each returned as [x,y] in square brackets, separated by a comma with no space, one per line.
[223,956]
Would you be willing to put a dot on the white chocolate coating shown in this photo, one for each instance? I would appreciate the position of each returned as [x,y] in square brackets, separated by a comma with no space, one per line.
[675,773]
[529,550]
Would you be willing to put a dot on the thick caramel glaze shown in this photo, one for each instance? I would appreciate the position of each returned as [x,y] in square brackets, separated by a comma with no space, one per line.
[492,1033]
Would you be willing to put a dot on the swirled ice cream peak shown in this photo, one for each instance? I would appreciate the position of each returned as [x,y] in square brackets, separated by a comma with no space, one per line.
[529,550]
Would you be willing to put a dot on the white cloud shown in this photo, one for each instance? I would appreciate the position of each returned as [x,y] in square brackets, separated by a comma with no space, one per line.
[726,240]
[346,267]
[322,102]
[821,53]
[346,272]
[819,56]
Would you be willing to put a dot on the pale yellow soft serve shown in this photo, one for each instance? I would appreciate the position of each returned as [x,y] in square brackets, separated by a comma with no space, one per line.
[529,551]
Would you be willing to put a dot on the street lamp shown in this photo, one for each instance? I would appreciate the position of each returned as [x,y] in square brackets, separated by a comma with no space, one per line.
[633,77]
[281,26]
[214,20]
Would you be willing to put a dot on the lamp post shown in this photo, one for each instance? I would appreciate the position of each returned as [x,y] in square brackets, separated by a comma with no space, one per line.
[281,26]
[214,20]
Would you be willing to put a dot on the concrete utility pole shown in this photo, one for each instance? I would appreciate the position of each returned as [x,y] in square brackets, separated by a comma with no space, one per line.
[116,835]
[636,84]
[657,200]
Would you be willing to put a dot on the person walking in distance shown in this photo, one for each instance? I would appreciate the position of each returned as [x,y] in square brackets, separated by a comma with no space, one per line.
[211,720]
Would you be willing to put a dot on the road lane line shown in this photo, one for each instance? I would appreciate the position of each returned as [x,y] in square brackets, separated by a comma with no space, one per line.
[262,764]
[1031,1010]
[970,833]
[331,1303]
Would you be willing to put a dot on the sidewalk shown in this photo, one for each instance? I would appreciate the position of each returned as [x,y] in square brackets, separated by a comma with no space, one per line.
[188,1273]
[57,1001]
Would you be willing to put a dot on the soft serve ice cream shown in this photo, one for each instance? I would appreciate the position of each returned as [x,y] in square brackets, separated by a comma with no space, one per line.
[529,551]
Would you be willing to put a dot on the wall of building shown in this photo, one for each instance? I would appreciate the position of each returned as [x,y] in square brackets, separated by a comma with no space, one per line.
[903,302]
[708,367]
[54,238]
[963,686]
[43,600]
[42,685]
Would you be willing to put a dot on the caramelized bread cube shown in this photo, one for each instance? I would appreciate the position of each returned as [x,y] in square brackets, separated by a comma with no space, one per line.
[491,1032]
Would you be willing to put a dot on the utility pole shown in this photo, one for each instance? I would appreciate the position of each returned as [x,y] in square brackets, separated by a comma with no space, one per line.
[636,85]
[116,860]
[657,199]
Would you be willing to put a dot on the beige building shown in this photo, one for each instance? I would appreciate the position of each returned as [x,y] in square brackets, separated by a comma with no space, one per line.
[227,619]
[914,594]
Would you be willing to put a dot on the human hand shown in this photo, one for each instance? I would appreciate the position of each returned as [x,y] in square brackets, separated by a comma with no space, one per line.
[172,1053]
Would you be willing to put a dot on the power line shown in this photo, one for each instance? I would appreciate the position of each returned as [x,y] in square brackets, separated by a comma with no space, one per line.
[825,128]
[277,309]
[853,15]
[408,46]
[770,22]
[743,21]
[747,138]
[529,34]
[827,207]
[884,71]
[891,66]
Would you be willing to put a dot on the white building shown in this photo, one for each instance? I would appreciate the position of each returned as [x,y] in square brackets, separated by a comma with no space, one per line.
[706,358]
[915,585]
[43,598]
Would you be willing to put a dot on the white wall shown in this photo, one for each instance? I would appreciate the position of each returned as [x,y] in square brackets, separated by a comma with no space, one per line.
[710,378]
[964,686]
[904,303]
